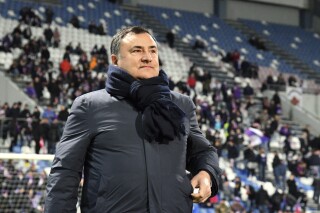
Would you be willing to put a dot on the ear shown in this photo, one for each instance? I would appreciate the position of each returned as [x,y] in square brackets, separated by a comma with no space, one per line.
[114,59]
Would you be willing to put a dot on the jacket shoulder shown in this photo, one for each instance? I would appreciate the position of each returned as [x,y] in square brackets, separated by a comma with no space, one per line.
[183,101]
[94,98]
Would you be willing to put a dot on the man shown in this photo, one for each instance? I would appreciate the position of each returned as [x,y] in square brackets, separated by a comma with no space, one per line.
[133,141]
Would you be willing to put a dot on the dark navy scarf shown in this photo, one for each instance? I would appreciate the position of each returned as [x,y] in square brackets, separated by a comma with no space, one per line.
[162,119]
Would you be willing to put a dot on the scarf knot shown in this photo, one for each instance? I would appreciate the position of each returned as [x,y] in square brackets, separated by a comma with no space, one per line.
[162,119]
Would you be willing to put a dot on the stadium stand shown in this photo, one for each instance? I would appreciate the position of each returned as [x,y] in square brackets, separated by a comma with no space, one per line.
[300,43]
[254,139]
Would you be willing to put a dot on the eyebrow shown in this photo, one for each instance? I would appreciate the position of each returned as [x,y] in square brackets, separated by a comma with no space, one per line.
[141,47]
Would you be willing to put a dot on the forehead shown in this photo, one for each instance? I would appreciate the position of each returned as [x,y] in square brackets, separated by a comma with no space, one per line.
[142,39]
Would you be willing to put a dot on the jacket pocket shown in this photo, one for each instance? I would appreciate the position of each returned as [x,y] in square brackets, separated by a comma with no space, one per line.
[186,186]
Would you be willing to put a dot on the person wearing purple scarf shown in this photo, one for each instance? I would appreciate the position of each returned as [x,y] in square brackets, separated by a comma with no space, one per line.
[137,143]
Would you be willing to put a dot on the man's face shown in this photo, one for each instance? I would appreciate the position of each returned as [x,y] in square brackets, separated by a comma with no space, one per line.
[138,56]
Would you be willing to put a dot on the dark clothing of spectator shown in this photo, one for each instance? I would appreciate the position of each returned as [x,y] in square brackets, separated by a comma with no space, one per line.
[237,187]
[48,15]
[48,35]
[94,50]
[78,50]
[103,51]
[45,54]
[293,189]
[100,30]
[75,21]
[257,42]
[199,44]
[262,200]
[92,27]
[262,163]
[232,152]
[53,137]
[38,88]
[16,41]
[315,143]
[27,33]
[63,115]
[248,91]
[54,91]
[276,200]
[6,43]
[270,80]
[170,39]
[36,133]
[316,188]
[292,81]
[66,56]
[276,99]
[25,113]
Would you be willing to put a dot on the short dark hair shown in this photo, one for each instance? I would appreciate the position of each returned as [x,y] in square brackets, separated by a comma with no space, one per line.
[116,39]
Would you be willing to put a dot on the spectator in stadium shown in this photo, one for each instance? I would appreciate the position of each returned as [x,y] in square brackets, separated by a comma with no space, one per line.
[251,200]
[27,33]
[138,146]
[92,27]
[54,90]
[100,29]
[48,35]
[237,206]
[281,82]
[75,21]
[316,187]
[262,199]
[222,207]
[78,50]
[16,40]
[49,14]
[170,38]
[279,171]
[248,91]
[235,59]
[56,37]
[192,81]
[276,200]
[199,44]
[257,42]
[93,62]
[45,54]
[36,132]
[294,191]
[53,136]
[30,91]
[38,86]
[292,81]
[65,67]
[6,43]
[250,160]
[262,163]
[63,114]
[237,187]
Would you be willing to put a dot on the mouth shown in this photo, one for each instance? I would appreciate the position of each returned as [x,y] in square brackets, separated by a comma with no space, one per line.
[149,67]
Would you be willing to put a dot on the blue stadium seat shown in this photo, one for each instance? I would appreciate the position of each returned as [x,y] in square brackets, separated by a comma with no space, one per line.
[299,42]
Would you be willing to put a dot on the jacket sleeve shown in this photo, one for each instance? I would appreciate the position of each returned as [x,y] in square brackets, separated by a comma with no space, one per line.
[66,170]
[201,155]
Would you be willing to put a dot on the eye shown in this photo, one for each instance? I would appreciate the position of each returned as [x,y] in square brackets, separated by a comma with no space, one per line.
[154,51]
[136,50]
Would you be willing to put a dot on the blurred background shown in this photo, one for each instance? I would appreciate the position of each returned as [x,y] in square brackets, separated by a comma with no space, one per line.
[252,67]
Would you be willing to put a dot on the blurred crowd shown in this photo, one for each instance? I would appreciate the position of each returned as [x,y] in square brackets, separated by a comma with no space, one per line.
[22,186]
[243,128]
[238,123]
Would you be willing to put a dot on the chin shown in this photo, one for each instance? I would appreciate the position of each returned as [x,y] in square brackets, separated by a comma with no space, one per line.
[147,76]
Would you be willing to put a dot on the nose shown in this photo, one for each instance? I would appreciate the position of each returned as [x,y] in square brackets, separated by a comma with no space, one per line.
[146,57]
